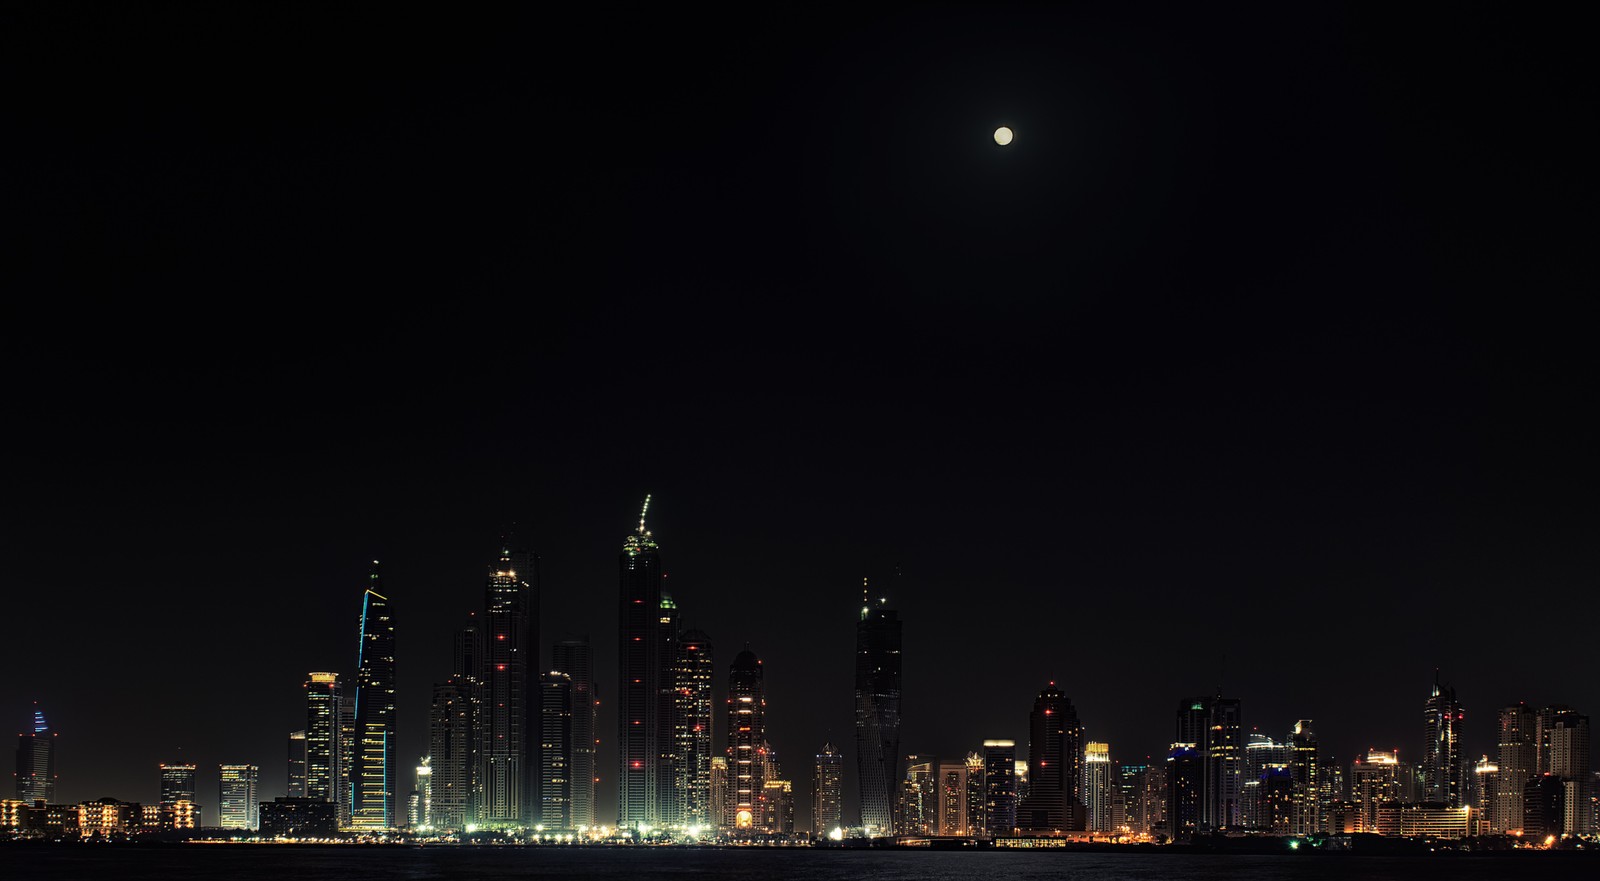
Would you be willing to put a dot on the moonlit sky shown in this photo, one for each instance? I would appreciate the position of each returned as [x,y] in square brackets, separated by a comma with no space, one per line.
[1261,358]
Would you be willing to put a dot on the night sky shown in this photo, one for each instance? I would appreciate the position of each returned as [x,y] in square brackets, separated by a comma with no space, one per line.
[1263,358]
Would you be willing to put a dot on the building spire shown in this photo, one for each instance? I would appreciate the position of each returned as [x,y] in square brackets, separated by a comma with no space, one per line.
[643,511]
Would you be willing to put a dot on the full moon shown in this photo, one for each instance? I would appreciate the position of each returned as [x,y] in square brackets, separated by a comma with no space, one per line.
[1002,136]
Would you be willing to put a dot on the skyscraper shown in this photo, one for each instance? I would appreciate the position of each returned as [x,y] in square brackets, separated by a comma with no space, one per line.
[555,750]
[1098,787]
[373,784]
[177,782]
[297,764]
[919,797]
[237,798]
[1215,725]
[877,712]
[639,677]
[452,748]
[1131,780]
[470,763]
[1304,770]
[324,697]
[36,761]
[747,705]
[1185,790]
[951,803]
[977,796]
[1564,753]
[1055,765]
[1261,753]
[575,658]
[719,792]
[1486,780]
[1443,773]
[827,792]
[693,672]
[1518,762]
[1000,786]
[506,725]
[421,815]
[670,721]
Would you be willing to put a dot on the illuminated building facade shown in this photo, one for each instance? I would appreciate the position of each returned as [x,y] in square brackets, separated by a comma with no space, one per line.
[555,750]
[1055,766]
[670,719]
[977,796]
[177,782]
[1305,769]
[1000,786]
[373,781]
[575,658]
[747,705]
[36,762]
[1485,780]
[297,764]
[1215,725]
[507,718]
[1275,800]
[1443,775]
[238,796]
[452,747]
[1097,787]
[1564,753]
[719,792]
[108,817]
[1518,762]
[1185,790]
[1260,753]
[919,797]
[1127,811]
[324,697]
[420,815]
[777,805]
[827,792]
[1378,780]
[692,675]
[639,678]
[950,806]
[878,639]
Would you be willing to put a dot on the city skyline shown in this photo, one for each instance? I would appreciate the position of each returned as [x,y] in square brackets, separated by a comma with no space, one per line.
[1256,365]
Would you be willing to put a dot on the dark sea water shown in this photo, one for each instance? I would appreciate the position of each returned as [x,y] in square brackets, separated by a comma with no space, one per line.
[279,863]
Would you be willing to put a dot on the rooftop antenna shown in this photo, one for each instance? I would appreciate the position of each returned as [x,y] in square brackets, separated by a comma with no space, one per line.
[643,511]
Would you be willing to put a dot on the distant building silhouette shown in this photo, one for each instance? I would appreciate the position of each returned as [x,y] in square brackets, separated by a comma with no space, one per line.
[575,658]
[507,720]
[1443,770]
[1055,766]
[1000,786]
[827,792]
[555,750]
[878,667]
[297,764]
[36,762]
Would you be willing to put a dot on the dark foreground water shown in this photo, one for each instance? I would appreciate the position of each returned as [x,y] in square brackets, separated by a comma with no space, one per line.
[281,863]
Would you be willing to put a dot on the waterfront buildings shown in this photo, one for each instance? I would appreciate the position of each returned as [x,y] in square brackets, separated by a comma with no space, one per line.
[639,699]
[297,764]
[692,675]
[575,658]
[506,718]
[1518,762]
[324,699]
[1098,787]
[747,760]
[1055,766]
[1000,786]
[36,761]
[177,782]
[1443,772]
[555,750]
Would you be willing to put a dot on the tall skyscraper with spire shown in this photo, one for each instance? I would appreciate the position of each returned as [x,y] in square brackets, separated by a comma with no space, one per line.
[639,698]
[507,722]
[575,658]
[877,711]
[1055,765]
[36,761]
[747,742]
[373,782]
[1443,772]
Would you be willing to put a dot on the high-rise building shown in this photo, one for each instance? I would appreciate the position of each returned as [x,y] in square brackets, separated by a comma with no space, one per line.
[1055,766]
[1485,780]
[918,814]
[555,750]
[1518,763]
[297,764]
[469,769]
[1126,811]
[777,804]
[507,722]
[453,747]
[1275,800]
[575,658]
[177,782]
[719,792]
[346,763]
[977,796]
[1443,772]
[36,761]
[1304,769]
[878,640]
[1185,790]
[827,792]
[1000,786]
[670,719]
[1564,753]
[421,814]
[237,797]
[747,735]
[1379,780]
[639,678]
[1097,787]
[693,672]
[1260,753]
[1215,725]
[1544,807]
[1152,807]
[324,699]
[950,807]
[373,783]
